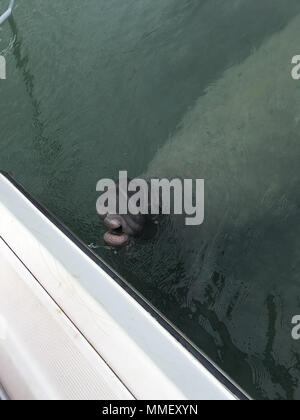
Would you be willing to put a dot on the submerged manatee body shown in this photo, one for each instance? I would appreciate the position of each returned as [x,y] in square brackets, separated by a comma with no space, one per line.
[241,267]
[226,136]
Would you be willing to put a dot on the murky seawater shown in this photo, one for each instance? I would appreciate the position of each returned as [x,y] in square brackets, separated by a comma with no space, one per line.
[189,88]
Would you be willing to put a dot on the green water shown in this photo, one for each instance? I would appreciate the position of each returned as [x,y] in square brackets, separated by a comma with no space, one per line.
[98,86]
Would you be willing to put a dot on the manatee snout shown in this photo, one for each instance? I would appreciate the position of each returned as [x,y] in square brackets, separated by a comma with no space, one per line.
[122,227]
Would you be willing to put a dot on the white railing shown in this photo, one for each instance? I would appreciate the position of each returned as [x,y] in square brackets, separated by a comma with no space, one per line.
[8,12]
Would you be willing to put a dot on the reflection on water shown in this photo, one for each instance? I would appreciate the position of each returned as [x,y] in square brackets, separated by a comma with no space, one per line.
[189,88]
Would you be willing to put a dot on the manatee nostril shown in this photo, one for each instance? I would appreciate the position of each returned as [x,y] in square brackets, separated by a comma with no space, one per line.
[118,231]
[112,224]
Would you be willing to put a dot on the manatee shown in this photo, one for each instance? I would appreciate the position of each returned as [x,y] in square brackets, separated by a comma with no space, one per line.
[243,117]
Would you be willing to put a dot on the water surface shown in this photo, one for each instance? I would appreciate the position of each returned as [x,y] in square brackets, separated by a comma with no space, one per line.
[98,86]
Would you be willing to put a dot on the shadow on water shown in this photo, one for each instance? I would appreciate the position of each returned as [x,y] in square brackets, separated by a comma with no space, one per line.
[46,149]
